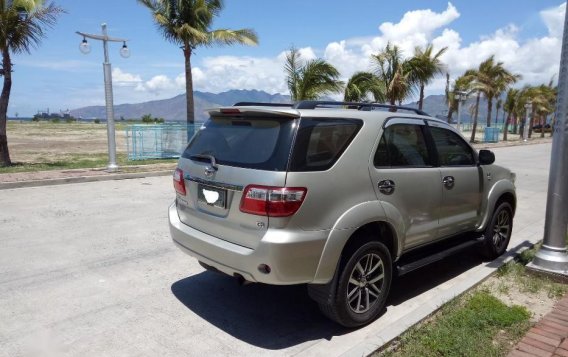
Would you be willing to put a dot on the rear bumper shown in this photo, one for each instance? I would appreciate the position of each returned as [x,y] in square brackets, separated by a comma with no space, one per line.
[292,256]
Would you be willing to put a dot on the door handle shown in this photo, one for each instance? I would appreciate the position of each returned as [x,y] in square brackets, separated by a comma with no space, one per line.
[386,186]
[448,181]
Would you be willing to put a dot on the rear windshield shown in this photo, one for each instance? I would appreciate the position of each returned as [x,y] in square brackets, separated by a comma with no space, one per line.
[258,143]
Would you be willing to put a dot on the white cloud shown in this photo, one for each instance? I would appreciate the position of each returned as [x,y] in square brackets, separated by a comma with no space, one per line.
[536,58]
[554,20]
[124,79]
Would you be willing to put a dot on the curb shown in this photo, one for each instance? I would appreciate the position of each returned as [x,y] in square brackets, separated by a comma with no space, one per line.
[82,179]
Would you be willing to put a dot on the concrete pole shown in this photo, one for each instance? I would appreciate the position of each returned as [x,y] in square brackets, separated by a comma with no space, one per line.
[459,113]
[112,165]
[552,257]
[527,123]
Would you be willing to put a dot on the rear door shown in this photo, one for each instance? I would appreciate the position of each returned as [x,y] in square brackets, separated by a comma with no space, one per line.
[406,181]
[461,181]
[245,150]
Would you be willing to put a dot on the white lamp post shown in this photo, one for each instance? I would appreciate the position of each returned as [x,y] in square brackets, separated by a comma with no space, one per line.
[528,108]
[460,96]
[85,48]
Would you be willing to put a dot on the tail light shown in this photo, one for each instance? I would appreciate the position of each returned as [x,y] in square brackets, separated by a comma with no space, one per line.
[179,182]
[272,201]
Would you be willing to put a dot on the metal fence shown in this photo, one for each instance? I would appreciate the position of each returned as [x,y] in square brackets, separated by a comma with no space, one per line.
[157,141]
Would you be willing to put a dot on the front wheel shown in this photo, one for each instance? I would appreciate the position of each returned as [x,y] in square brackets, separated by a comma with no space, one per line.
[362,287]
[498,232]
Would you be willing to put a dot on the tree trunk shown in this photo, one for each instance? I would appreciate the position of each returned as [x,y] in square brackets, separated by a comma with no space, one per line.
[421,101]
[489,108]
[506,127]
[515,124]
[531,122]
[542,123]
[4,99]
[450,115]
[189,91]
[476,112]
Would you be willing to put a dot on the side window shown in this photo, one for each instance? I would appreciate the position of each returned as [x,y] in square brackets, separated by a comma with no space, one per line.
[320,142]
[402,145]
[452,149]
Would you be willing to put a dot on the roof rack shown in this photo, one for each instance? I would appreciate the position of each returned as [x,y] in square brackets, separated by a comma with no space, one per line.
[313,104]
[259,104]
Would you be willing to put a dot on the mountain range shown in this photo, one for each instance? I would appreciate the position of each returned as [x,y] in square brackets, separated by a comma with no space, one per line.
[174,109]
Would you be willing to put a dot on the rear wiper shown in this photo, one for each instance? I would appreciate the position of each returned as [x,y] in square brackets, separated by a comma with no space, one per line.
[211,158]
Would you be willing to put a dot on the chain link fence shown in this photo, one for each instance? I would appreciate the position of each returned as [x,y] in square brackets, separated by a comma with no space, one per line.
[157,141]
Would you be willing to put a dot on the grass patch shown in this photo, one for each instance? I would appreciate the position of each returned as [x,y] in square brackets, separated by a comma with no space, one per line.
[473,325]
[79,162]
[515,273]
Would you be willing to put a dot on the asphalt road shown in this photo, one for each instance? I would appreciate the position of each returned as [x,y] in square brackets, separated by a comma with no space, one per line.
[89,269]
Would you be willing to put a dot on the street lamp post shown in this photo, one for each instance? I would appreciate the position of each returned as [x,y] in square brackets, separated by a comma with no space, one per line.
[528,108]
[460,96]
[85,48]
[552,257]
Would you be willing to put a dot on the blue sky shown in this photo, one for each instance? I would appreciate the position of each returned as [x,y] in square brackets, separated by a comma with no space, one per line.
[524,34]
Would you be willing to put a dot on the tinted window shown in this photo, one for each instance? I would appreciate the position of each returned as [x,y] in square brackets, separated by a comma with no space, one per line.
[452,149]
[402,145]
[262,144]
[320,142]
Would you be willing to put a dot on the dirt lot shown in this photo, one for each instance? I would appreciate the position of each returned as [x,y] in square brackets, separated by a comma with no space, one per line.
[32,142]
[37,142]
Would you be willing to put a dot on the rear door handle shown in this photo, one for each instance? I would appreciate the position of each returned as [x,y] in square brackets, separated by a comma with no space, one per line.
[386,186]
[448,181]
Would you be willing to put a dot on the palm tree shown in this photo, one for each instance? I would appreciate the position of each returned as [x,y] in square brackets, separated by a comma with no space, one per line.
[510,107]
[361,84]
[498,106]
[187,23]
[19,34]
[425,65]
[492,79]
[395,72]
[461,84]
[312,79]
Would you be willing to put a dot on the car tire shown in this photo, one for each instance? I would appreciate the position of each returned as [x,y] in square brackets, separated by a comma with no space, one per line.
[362,287]
[498,231]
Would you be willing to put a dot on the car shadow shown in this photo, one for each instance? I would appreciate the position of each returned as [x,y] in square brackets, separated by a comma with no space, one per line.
[278,317]
[419,281]
[266,316]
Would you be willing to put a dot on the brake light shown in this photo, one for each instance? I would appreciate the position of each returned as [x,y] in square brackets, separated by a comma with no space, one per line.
[179,182]
[272,201]
[230,111]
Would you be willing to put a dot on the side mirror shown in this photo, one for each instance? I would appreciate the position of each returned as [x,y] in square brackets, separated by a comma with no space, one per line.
[486,157]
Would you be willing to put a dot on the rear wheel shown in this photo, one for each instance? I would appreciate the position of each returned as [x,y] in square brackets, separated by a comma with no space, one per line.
[498,232]
[362,287]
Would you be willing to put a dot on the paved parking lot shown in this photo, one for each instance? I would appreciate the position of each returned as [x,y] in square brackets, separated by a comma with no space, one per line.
[89,269]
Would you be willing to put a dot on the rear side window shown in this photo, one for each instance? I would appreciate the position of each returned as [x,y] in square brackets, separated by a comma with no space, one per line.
[452,149]
[402,145]
[320,142]
[257,143]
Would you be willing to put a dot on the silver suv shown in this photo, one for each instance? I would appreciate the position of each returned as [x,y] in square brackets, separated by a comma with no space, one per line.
[341,196]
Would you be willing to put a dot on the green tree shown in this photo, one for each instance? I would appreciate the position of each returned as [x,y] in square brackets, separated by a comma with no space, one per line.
[510,107]
[461,84]
[424,66]
[187,23]
[492,79]
[312,79]
[363,84]
[395,72]
[23,24]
